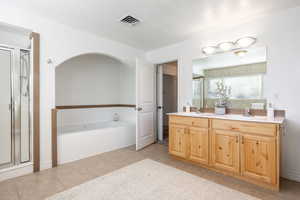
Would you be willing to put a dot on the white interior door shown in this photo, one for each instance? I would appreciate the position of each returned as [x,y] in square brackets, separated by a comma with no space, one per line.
[160,104]
[145,102]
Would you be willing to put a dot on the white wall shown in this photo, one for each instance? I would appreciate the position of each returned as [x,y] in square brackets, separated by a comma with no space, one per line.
[14,36]
[60,42]
[127,85]
[87,116]
[280,33]
[94,79]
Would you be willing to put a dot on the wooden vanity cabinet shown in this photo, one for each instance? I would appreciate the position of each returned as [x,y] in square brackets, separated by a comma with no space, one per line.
[225,150]
[188,138]
[246,150]
[198,145]
[258,158]
[178,140]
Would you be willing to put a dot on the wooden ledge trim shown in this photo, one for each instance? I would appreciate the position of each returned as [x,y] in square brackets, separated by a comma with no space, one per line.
[94,106]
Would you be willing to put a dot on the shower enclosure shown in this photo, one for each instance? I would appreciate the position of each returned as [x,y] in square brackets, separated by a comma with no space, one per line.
[15,107]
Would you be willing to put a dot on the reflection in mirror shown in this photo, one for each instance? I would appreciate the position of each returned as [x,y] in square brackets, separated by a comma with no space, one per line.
[241,72]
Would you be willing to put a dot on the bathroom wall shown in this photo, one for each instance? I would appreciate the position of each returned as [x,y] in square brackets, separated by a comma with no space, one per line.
[95,115]
[60,42]
[94,79]
[280,33]
[13,36]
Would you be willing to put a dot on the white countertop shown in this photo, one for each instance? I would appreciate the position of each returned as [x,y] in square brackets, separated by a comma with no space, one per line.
[264,119]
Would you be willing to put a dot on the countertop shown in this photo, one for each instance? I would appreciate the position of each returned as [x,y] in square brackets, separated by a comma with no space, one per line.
[262,119]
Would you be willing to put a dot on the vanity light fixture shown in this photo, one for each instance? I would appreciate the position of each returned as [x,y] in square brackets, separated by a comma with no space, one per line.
[209,50]
[241,43]
[226,46]
[245,42]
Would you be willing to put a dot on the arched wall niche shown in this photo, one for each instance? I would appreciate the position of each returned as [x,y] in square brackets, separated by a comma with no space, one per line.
[124,61]
[94,78]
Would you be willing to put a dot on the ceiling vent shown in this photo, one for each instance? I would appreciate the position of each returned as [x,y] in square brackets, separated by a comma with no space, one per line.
[129,20]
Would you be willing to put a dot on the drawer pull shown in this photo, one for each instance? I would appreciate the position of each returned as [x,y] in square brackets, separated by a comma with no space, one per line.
[237,139]
[242,139]
[234,128]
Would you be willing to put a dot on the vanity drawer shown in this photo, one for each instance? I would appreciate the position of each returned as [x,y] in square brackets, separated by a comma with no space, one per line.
[181,120]
[190,121]
[200,122]
[245,127]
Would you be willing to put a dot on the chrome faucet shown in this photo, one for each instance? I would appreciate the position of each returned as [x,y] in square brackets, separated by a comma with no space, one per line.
[247,112]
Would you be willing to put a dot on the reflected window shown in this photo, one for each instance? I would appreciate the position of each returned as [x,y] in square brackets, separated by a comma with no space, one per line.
[242,87]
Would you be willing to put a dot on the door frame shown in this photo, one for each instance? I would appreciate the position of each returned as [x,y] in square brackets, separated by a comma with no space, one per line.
[35,51]
[156,93]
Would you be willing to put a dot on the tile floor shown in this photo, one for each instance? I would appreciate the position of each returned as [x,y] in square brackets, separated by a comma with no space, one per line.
[48,182]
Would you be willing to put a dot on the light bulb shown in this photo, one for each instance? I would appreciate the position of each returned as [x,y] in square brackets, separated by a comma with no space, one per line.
[209,50]
[226,46]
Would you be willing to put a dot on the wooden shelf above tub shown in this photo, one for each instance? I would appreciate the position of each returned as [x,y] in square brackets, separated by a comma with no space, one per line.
[94,106]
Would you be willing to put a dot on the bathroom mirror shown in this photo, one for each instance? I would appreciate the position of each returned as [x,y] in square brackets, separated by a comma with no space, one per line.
[242,71]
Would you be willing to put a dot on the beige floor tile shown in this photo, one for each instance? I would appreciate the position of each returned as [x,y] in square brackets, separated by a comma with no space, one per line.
[8,190]
[48,182]
[38,185]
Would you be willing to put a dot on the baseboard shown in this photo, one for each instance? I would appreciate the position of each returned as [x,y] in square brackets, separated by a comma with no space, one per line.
[291,175]
[16,171]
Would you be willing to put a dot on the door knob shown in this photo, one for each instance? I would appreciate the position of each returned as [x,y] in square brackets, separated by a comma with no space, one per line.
[138,108]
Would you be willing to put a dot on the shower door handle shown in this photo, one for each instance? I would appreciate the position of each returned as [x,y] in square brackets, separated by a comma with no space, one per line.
[10,106]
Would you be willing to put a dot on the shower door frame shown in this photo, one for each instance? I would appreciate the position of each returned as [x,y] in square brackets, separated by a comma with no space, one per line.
[15,62]
[35,100]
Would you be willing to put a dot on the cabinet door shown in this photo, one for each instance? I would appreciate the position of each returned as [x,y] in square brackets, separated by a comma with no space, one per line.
[178,140]
[198,140]
[225,150]
[258,158]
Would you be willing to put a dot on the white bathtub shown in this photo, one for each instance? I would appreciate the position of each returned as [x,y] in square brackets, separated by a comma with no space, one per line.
[80,141]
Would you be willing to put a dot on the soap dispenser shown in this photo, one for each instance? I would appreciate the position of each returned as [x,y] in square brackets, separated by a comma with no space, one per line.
[270,111]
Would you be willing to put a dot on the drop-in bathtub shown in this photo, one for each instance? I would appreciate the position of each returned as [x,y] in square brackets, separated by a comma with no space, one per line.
[80,141]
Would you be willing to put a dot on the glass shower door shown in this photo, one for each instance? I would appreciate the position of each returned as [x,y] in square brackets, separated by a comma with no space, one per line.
[6,108]
[15,129]
[25,106]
